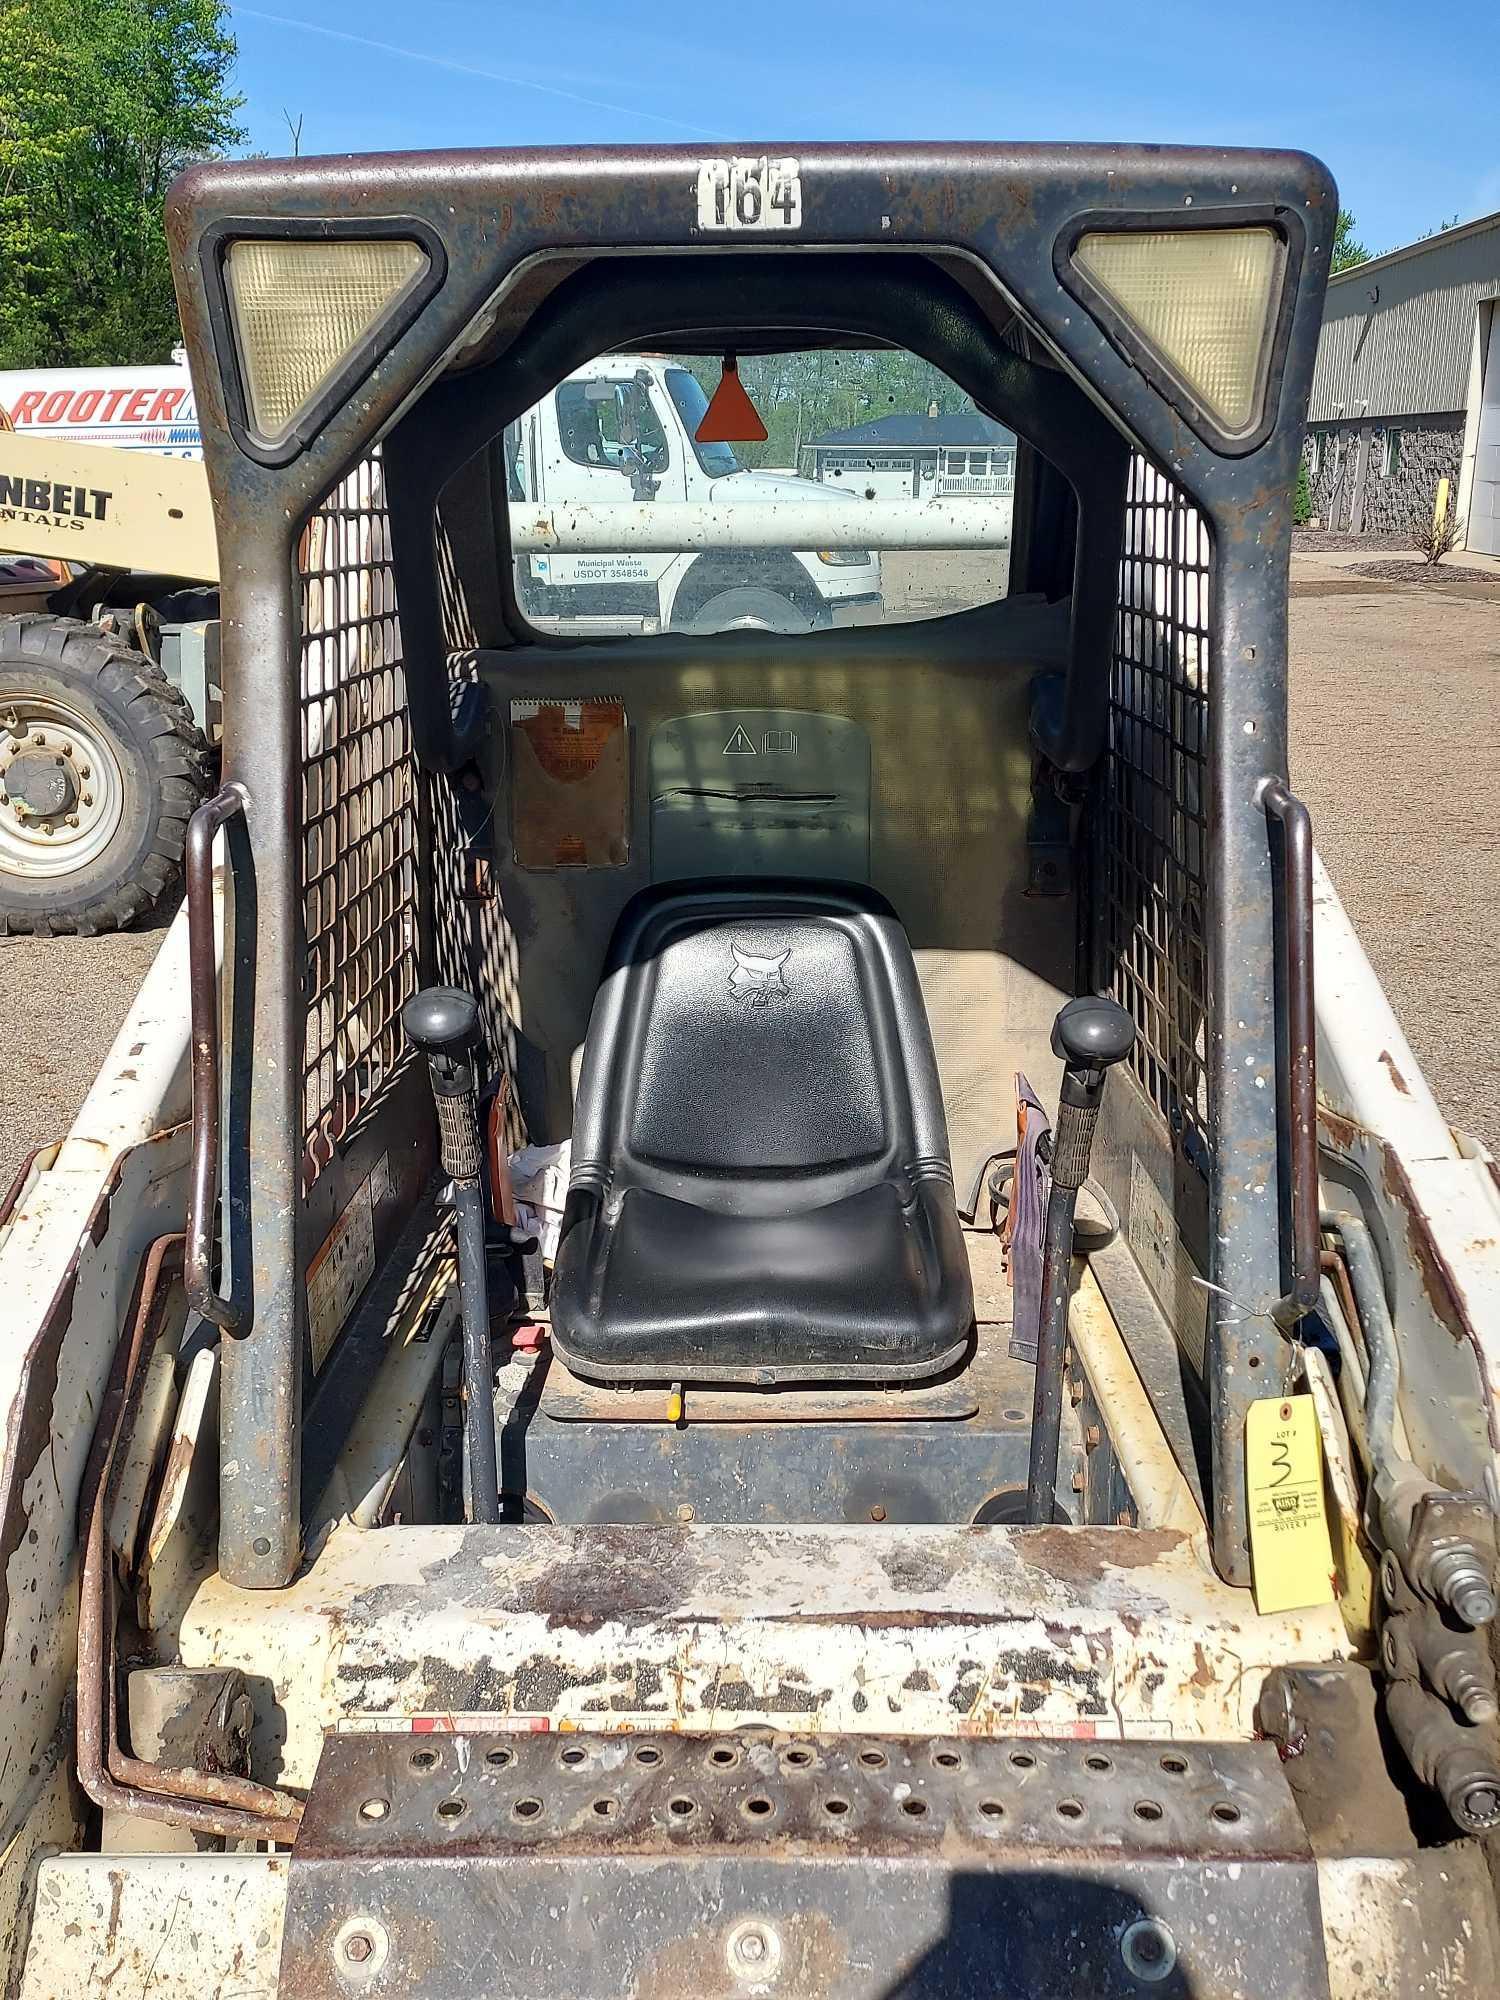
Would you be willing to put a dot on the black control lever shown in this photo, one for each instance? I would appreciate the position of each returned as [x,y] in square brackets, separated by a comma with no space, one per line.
[443,1022]
[1090,1035]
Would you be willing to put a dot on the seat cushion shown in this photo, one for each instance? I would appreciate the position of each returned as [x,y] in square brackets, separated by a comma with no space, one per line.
[760,1187]
[863,1289]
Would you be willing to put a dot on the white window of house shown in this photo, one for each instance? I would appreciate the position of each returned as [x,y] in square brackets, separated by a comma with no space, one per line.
[1390,452]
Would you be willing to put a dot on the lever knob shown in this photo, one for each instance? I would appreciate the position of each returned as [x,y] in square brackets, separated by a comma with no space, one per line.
[442,1021]
[1092,1033]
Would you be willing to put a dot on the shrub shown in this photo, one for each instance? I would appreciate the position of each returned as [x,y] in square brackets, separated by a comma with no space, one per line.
[1433,537]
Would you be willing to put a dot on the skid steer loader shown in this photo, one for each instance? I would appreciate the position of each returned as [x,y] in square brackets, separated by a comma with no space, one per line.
[730,1320]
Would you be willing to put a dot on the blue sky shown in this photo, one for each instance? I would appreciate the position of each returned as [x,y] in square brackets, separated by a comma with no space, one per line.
[1401,100]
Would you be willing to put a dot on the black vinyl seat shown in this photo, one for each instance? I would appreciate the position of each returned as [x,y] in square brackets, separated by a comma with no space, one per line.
[760,1187]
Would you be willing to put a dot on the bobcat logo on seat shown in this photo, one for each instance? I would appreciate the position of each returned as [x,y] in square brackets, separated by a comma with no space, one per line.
[756,982]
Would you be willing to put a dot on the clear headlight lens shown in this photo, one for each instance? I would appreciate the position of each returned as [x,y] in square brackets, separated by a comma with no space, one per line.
[1205,299]
[300,309]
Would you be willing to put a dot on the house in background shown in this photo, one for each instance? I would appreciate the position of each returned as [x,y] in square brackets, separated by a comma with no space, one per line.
[918,457]
[1406,390]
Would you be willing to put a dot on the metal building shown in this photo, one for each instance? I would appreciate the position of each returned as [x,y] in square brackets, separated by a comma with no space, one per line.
[1407,389]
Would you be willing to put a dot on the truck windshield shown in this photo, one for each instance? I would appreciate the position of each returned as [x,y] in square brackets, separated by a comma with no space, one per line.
[687,393]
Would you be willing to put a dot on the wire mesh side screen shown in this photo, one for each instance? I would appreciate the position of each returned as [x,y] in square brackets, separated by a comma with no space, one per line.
[359,815]
[473,943]
[1152,880]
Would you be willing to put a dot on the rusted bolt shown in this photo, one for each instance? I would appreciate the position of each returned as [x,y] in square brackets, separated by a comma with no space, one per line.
[877,1512]
[39,738]
[1075,1391]
[358,1947]
[67,750]
[1093,1437]
[684,1512]
[753,1951]
[83,769]
[1122,1519]
[1077,1482]
[1148,1949]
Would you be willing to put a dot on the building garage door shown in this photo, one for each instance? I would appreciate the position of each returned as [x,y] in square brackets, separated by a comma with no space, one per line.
[1484,507]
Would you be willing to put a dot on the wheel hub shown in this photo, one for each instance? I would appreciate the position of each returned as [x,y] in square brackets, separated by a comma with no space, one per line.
[40,785]
[62,791]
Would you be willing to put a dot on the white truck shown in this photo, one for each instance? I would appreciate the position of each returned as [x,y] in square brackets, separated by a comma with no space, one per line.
[624,428]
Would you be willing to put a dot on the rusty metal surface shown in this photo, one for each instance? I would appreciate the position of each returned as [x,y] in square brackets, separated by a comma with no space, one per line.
[215,1802]
[1440,1228]
[995,215]
[797,1865]
[203,988]
[1297,1077]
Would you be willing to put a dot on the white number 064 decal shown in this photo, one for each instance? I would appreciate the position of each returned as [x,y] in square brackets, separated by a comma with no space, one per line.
[750,194]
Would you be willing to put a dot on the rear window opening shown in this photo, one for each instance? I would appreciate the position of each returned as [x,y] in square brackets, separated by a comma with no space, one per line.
[829,521]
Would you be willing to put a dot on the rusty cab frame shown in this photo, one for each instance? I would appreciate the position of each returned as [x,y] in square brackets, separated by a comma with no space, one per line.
[533,262]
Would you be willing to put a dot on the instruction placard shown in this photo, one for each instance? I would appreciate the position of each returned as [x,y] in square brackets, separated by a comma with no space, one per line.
[1291,1556]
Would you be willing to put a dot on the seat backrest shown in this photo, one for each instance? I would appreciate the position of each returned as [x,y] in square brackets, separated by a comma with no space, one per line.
[758,1047]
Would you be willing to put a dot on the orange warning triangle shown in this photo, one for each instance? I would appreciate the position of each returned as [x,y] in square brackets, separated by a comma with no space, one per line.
[731,417]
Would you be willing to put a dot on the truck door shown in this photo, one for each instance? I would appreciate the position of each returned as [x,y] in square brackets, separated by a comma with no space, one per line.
[601,440]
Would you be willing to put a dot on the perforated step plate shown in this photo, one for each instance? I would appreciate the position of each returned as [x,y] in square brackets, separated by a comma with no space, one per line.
[564,1867]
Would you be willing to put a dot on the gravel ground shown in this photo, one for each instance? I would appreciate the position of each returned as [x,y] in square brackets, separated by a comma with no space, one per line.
[64,1000]
[1395,746]
[1395,729]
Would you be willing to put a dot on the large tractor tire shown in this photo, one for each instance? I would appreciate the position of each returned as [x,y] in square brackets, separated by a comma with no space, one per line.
[101,766]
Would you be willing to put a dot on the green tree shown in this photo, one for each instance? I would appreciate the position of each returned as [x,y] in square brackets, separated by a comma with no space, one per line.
[100,105]
[1347,248]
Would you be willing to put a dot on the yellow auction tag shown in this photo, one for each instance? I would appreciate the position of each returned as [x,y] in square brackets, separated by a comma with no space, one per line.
[1290,1553]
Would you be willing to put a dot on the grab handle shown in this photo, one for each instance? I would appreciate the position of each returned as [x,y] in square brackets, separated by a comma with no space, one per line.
[1297,1085]
[203,1000]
